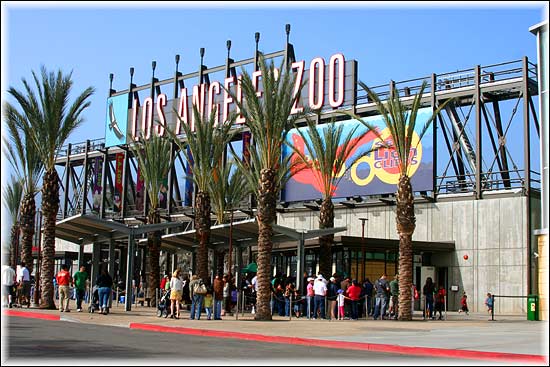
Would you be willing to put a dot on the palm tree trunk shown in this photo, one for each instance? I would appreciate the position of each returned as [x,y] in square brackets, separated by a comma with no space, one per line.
[406,223]
[267,200]
[14,248]
[153,244]
[50,206]
[28,213]
[405,277]
[202,225]
[326,220]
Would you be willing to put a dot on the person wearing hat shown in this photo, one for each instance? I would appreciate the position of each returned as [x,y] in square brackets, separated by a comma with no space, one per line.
[320,290]
[332,293]
[310,294]
[340,299]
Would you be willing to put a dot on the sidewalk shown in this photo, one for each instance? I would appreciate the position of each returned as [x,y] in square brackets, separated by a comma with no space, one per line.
[457,336]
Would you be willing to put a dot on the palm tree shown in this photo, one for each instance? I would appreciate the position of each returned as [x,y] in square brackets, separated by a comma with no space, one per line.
[327,153]
[12,200]
[49,122]
[268,118]
[153,163]
[206,147]
[25,160]
[401,122]
[228,190]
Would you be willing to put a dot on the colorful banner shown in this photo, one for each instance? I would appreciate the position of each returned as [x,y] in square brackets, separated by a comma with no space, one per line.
[375,173]
[96,183]
[117,195]
[116,121]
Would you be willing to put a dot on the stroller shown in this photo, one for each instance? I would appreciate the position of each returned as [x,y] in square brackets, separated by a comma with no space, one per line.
[94,304]
[163,306]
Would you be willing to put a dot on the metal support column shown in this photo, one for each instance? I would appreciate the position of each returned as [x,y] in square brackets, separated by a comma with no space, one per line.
[112,258]
[129,272]
[527,168]
[80,256]
[478,131]
[300,263]
[67,173]
[95,262]
[85,181]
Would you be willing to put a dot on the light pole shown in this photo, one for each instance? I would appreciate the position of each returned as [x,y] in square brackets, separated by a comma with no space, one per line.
[363,220]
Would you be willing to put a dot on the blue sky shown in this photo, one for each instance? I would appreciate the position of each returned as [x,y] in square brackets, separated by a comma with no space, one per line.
[390,40]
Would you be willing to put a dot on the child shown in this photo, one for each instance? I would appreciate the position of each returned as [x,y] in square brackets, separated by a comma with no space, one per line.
[489,303]
[340,299]
[464,304]
[208,303]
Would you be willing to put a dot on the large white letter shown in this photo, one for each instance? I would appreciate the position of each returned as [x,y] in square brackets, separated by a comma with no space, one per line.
[319,64]
[332,80]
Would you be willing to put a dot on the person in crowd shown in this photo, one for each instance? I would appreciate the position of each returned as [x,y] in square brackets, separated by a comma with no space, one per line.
[464,304]
[368,289]
[340,298]
[24,283]
[440,302]
[298,303]
[8,282]
[428,291]
[332,292]
[227,304]
[320,292]
[382,288]
[344,284]
[354,294]
[186,295]
[163,282]
[176,293]
[80,282]
[208,302]
[218,296]
[489,303]
[394,300]
[198,291]
[310,296]
[64,281]
[104,284]
[289,294]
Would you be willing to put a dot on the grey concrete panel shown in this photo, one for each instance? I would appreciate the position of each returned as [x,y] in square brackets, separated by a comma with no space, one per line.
[512,223]
[512,257]
[463,224]
[442,221]
[488,224]
[422,229]
[490,257]
[512,279]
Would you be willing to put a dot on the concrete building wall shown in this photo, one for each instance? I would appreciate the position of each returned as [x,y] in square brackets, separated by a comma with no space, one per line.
[492,232]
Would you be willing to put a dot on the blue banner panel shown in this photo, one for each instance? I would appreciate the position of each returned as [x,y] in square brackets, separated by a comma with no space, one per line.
[116,121]
[373,174]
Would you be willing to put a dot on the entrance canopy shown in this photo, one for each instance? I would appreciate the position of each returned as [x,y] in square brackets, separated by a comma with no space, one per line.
[86,229]
[244,233]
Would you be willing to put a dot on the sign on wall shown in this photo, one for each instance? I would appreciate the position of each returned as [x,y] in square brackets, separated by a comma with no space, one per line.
[375,173]
[116,122]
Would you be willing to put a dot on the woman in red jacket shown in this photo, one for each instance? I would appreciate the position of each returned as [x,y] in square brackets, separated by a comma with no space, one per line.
[354,293]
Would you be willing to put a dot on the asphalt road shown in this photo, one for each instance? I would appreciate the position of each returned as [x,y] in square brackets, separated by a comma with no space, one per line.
[36,342]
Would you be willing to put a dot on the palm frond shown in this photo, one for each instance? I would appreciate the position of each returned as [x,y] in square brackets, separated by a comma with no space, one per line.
[154,164]
[13,195]
[49,120]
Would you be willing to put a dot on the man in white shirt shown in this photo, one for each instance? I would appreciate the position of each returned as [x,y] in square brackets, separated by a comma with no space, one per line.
[8,280]
[24,281]
[320,290]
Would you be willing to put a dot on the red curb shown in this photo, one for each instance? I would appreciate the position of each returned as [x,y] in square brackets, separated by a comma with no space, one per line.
[385,348]
[32,315]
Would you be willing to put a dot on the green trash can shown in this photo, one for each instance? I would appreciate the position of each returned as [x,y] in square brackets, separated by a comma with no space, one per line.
[533,307]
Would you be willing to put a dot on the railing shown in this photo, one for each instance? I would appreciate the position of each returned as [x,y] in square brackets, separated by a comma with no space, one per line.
[493,300]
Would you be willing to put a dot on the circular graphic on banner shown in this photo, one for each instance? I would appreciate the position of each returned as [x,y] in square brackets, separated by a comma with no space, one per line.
[386,162]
